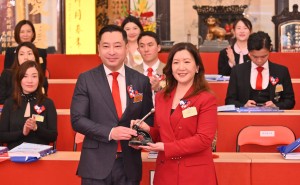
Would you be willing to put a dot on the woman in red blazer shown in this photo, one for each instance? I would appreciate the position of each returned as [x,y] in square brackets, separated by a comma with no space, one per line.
[185,122]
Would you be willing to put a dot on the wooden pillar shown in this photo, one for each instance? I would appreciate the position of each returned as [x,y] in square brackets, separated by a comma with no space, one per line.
[280,5]
[163,10]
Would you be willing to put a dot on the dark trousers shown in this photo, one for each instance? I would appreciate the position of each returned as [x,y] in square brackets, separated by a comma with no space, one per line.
[116,177]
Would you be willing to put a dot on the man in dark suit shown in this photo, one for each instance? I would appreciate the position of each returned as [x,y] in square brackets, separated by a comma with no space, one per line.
[93,113]
[260,82]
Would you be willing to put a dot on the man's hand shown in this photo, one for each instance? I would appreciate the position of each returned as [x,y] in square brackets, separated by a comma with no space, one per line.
[250,103]
[270,104]
[122,133]
[154,81]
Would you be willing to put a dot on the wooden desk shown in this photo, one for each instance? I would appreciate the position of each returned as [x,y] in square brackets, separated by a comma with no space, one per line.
[229,125]
[271,168]
[56,169]
[220,89]
[61,91]
[60,169]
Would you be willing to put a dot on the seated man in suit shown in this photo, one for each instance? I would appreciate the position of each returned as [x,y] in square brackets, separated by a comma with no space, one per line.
[260,82]
[149,46]
[102,108]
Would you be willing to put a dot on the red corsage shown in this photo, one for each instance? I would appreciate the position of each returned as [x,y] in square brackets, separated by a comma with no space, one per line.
[131,91]
[184,103]
[39,109]
[273,80]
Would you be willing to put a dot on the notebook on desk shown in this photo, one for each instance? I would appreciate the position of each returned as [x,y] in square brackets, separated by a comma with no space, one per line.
[3,149]
[232,108]
[29,152]
[258,109]
[213,77]
[287,151]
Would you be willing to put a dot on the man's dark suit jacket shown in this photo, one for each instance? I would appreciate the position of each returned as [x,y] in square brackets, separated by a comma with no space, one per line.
[93,114]
[10,56]
[238,92]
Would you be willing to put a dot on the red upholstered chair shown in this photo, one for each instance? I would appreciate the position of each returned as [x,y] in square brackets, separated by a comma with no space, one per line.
[77,140]
[263,138]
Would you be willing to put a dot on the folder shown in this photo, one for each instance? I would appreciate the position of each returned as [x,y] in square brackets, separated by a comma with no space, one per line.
[287,151]
[29,152]
[3,149]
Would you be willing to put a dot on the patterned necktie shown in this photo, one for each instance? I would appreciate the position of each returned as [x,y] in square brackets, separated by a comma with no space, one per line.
[259,78]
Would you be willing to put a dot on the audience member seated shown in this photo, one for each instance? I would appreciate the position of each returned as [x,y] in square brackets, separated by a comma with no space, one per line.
[133,28]
[238,52]
[149,46]
[29,116]
[260,82]
[24,32]
[25,51]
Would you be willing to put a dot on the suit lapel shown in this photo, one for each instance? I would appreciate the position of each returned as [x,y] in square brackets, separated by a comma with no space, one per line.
[246,80]
[104,89]
[129,81]
[170,120]
[177,115]
[272,87]
[160,68]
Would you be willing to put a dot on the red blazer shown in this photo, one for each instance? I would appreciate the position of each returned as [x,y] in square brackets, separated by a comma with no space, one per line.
[187,156]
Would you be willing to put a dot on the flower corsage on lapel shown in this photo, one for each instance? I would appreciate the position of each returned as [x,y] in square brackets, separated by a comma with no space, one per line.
[134,94]
[39,110]
[186,110]
[278,87]
[162,80]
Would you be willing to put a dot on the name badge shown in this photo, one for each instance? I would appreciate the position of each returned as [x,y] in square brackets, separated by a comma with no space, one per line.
[38,118]
[41,60]
[191,111]
[279,88]
[138,98]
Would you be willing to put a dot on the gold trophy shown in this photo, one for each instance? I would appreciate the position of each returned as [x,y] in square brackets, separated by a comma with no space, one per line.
[142,137]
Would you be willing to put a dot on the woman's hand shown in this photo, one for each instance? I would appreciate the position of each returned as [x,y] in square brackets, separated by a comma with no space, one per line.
[26,130]
[31,124]
[156,147]
[144,126]
[230,56]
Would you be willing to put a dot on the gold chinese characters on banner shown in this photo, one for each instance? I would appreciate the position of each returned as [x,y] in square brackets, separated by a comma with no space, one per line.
[80,27]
